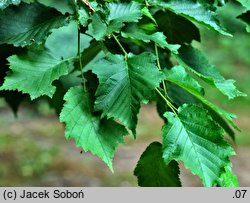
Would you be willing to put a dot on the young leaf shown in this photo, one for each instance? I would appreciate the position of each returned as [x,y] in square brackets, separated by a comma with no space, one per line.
[197,62]
[197,142]
[192,10]
[99,136]
[34,72]
[124,84]
[151,170]
[134,32]
[28,23]
[178,76]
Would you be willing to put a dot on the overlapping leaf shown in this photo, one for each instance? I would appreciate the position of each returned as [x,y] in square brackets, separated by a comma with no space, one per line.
[124,12]
[124,84]
[197,142]
[34,72]
[177,29]
[83,17]
[197,62]
[119,13]
[99,136]
[5,3]
[146,12]
[245,17]
[192,10]
[28,23]
[245,3]
[64,6]
[158,37]
[62,41]
[151,170]
[97,28]
[178,76]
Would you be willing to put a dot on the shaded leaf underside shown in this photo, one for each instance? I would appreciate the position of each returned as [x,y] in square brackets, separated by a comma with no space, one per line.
[192,10]
[151,170]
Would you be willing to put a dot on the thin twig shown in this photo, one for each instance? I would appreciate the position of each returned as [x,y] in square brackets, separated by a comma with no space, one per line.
[86,2]
[80,57]
[79,46]
[171,106]
[122,48]
[159,67]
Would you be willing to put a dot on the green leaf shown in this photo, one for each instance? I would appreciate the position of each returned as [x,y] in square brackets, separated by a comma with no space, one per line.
[97,28]
[91,54]
[120,13]
[196,61]
[245,17]
[134,32]
[197,142]
[145,11]
[62,86]
[124,12]
[124,84]
[65,6]
[6,3]
[228,179]
[221,121]
[99,136]
[245,3]
[181,96]
[62,42]
[177,29]
[83,17]
[34,72]
[178,76]
[28,24]
[192,10]
[151,170]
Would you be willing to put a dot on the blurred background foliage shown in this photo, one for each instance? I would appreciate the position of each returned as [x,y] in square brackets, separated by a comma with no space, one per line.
[34,151]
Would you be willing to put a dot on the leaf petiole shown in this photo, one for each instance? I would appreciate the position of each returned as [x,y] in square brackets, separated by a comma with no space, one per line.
[171,106]
[120,45]
[159,67]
